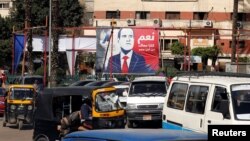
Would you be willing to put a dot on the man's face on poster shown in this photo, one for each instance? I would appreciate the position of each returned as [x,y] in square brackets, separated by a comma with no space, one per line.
[126,39]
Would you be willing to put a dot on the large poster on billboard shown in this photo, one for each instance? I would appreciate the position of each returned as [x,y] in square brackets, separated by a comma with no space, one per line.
[128,50]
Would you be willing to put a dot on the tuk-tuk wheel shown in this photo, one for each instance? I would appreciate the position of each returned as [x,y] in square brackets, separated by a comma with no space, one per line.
[4,121]
[41,138]
[20,124]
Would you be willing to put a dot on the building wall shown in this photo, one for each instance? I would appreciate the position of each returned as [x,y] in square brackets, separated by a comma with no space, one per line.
[138,5]
[219,13]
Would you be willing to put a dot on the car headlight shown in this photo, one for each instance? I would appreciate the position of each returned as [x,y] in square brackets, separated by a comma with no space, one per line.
[160,106]
[30,107]
[12,107]
[131,106]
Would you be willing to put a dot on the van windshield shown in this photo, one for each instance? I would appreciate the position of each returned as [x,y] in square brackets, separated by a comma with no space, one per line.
[148,88]
[241,101]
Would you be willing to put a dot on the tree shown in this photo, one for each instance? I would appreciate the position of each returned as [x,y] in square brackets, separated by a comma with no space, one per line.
[234,31]
[55,37]
[206,53]
[213,53]
[5,40]
[177,48]
[69,13]
[28,24]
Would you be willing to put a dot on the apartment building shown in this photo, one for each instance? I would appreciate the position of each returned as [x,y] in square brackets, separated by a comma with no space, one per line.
[195,23]
[5,6]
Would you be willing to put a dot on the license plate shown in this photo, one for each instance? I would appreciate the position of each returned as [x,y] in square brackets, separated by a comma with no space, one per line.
[147,117]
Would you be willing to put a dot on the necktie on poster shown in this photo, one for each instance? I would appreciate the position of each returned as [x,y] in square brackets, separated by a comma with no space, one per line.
[125,65]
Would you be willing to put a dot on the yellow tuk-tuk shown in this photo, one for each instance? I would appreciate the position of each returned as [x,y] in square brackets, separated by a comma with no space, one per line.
[55,103]
[19,105]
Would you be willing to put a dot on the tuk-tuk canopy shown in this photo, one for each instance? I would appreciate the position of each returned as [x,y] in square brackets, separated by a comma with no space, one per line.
[44,101]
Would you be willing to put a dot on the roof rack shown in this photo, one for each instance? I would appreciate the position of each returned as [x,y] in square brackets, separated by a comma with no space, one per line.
[206,73]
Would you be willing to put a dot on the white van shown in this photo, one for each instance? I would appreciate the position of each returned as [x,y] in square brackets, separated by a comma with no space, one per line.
[194,102]
[145,99]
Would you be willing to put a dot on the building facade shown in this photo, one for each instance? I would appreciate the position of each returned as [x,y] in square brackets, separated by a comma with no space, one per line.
[195,23]
[5,6]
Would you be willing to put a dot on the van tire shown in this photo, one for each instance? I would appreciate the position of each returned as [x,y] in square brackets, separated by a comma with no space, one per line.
[130,124]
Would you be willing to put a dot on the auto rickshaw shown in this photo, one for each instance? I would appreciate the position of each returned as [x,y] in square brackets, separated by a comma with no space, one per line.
[19,105]
[53,104]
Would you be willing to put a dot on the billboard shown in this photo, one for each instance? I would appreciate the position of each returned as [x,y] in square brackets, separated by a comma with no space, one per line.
[128,50]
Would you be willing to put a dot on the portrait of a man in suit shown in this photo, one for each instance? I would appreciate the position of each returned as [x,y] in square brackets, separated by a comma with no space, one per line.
[127,61]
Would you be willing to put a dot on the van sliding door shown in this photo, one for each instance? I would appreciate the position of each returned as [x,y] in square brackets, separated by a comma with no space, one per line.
[195,107]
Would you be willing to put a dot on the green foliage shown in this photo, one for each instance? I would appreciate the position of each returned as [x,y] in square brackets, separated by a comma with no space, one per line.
[5,53]
[40,71]
[244,59]
[200,51]
[71,13]
[177,48]
[206,53]
[5,28]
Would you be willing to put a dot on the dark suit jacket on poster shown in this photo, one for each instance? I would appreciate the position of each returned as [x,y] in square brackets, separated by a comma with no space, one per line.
[137,64]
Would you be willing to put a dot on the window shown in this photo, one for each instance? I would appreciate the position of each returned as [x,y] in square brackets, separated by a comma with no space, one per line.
[196,101]
[177,96]
[200,16]
[220,102]
[4,5]
[241,44]
[112,14]
[148,88]
[172,15]
[241,16]
[167,43]
[142,15]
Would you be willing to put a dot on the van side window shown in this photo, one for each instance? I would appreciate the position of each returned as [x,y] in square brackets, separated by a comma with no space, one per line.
[177,96]
[196,101]
[220,102]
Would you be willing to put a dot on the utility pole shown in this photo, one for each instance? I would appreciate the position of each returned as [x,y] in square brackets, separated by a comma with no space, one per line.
[234,31]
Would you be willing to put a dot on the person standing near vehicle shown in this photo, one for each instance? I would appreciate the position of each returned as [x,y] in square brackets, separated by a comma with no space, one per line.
[35,85]
[86,116]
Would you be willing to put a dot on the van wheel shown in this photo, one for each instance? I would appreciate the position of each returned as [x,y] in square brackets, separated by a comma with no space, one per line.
[20,124]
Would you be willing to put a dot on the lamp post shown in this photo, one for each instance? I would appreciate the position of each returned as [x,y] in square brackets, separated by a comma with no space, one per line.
[49,63]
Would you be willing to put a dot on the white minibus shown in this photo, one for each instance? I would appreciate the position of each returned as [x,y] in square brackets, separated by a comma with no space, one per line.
[195,101]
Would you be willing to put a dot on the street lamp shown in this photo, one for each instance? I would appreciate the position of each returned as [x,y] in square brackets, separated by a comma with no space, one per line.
[49,68]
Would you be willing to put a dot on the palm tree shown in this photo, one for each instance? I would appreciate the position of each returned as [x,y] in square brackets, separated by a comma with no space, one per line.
[29,35]
[234,30]
[55,37]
